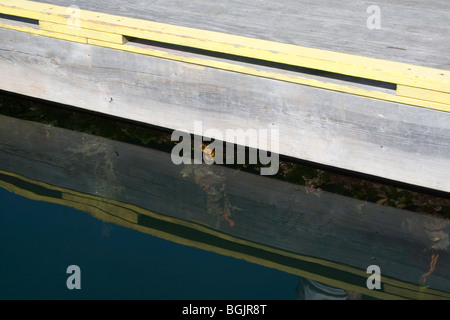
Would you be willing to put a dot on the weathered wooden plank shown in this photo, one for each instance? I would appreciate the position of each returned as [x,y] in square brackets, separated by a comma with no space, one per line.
[81,32]
[324,229]
[419,93]
[411,31]
[388,140]
[109,31]
[360,87]
[35,30]
[336,62]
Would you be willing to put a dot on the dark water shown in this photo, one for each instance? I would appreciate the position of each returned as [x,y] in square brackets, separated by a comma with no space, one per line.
[39,240]
[137,226]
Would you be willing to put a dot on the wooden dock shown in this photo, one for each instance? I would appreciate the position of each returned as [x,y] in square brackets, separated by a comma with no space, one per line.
[363,86]
[316,235]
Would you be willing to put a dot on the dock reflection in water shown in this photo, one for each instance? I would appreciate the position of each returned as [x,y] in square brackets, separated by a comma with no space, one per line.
[325,240]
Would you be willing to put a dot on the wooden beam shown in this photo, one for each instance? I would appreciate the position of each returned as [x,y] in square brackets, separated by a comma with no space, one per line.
[335,62]
[423,94]
[375,137]
[81,32]
[39,32]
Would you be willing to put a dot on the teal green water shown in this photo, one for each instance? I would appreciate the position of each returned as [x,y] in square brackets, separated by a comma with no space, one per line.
[39,240]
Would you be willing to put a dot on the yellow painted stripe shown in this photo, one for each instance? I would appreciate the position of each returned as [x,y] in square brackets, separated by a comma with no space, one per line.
[229,66]
[403,98]
[347,64]
[81,32]
[423,94]
[111,209]
[39,32]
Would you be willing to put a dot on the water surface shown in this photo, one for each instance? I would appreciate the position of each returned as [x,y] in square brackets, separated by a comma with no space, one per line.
[39,240]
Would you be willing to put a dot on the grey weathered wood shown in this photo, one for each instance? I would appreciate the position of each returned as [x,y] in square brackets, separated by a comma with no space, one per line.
[267,211]
[389,140]
[411,31]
